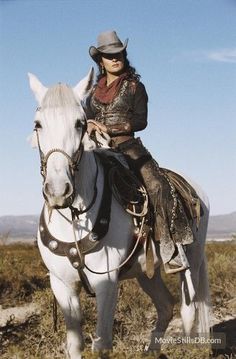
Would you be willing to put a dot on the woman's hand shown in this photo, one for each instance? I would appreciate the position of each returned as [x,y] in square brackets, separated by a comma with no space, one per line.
[93,126]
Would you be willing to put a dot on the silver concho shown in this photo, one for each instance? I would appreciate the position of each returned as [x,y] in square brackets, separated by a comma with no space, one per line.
[53,245]
[93,236]
[73,251]
[76,264]
[136,230]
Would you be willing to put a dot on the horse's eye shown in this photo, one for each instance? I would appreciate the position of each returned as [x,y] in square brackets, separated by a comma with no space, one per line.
[80,123]
[37,125]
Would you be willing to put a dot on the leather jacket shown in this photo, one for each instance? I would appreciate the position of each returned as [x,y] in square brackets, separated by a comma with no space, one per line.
[125,114]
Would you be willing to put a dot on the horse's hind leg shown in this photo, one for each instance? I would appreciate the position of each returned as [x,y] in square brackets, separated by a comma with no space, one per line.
[68,299]
[163,301]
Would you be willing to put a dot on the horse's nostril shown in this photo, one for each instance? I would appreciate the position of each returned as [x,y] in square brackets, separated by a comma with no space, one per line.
[47,189]
[68,190]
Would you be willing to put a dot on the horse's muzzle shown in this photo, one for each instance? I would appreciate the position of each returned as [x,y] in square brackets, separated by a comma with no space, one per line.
[60,196]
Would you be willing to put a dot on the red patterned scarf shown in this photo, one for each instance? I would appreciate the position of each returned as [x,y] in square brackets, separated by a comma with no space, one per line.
[106,94]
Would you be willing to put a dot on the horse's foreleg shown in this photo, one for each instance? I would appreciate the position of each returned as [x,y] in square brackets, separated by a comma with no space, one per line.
[68,299]
[106,296]
[164,303]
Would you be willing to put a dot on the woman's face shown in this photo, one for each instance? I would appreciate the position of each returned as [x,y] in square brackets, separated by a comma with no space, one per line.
[113,63]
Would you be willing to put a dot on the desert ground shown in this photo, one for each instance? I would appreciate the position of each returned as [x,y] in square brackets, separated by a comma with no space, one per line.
[27,328]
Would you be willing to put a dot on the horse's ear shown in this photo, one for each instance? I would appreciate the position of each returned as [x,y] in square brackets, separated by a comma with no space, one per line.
[83,88]
[37,87]
[32,139]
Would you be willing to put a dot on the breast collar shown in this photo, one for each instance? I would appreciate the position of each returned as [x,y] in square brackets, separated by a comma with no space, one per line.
[87,243]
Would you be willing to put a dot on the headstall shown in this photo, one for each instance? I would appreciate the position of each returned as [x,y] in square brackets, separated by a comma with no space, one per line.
[73,161]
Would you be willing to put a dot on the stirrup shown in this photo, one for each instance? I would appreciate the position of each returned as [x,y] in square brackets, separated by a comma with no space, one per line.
[175,267]
[171,270]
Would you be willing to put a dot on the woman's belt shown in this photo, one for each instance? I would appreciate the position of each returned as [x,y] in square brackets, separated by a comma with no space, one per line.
[113,118]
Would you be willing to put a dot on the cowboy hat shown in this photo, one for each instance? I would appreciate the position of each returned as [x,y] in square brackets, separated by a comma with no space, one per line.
[107,43]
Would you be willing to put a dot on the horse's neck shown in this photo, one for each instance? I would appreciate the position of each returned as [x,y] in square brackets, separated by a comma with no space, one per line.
[85,180]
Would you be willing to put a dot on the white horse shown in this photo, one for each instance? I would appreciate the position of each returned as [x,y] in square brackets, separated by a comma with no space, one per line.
[71,175]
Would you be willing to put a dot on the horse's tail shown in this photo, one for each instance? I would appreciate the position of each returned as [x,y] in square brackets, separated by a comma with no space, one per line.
[196,306]
[202,301]
[195,309]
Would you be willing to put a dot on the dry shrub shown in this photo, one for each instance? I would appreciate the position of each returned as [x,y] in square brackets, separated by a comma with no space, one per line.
[135,314]
[21,273]
[222,271]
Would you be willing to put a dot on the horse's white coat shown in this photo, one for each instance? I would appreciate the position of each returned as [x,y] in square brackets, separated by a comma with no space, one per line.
[60,109]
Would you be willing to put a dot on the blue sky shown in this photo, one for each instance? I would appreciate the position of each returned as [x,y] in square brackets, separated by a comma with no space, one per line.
[185,52]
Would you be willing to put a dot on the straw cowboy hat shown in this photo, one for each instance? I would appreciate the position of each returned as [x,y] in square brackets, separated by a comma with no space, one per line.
[107,43]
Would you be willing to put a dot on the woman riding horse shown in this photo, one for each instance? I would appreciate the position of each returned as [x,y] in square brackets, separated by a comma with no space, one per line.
[118,106]
[74,179]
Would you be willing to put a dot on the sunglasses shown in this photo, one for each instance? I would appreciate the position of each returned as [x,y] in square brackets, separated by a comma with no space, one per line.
[118,56]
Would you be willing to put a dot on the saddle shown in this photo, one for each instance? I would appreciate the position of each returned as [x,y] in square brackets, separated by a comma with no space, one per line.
[132,196]
[129,190]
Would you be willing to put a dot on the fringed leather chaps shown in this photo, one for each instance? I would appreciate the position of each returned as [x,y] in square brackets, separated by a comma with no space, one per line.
[171,221]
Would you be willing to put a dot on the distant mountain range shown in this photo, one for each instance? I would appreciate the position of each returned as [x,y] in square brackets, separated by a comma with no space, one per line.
[19,226]
[222,226]
[25,227]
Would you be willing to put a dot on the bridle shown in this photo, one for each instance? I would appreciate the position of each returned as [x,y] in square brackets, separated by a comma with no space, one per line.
[73,166]
[72,160]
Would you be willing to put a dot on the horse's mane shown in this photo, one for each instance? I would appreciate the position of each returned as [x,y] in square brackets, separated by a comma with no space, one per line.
[60,95]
